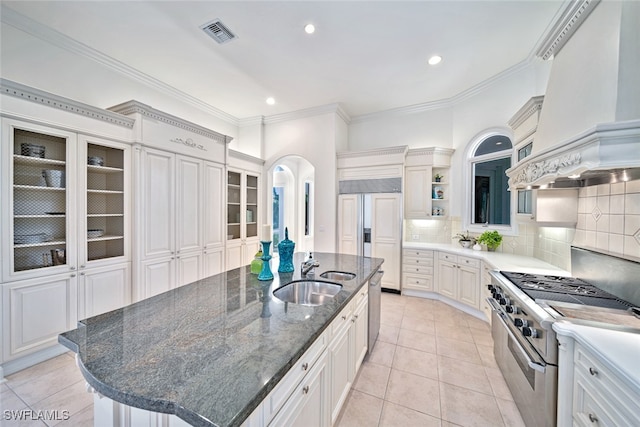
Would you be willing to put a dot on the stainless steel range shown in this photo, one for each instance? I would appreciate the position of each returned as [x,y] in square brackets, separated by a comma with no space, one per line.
[524,307]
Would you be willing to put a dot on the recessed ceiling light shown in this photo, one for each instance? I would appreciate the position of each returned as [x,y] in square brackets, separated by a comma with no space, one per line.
[435,59]
[271,100]
[309,28]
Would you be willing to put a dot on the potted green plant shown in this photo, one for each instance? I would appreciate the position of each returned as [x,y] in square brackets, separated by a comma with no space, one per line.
[465,239]
[438,177]
[490,238]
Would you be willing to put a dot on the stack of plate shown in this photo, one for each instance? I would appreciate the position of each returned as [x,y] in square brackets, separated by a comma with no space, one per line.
[32,150]
[27,239]
[95,232]
[95,160]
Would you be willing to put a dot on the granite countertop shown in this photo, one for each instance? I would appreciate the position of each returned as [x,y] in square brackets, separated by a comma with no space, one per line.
[618,348]
[212,350]
[497,260]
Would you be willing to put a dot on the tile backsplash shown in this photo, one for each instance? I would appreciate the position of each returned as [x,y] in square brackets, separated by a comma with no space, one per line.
[608,221]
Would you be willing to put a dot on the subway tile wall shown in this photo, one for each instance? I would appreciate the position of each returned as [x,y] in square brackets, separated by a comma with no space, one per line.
[608,221]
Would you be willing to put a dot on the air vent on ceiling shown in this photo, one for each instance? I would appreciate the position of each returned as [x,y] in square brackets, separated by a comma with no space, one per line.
[218,31]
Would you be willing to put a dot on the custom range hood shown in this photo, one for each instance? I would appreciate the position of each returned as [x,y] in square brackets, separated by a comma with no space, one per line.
[588,130]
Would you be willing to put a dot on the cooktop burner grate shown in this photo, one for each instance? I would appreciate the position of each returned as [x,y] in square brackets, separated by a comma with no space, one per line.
[564,289]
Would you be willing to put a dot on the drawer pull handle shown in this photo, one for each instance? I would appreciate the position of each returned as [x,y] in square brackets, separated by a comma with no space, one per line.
[305,389]
[593,371]
[344,317]
[593,418]
[305,366]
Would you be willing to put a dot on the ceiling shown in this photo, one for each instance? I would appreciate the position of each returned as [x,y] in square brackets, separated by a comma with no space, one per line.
[367,56]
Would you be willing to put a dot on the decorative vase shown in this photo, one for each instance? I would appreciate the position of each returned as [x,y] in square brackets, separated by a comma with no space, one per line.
[477,247]
[266,273]
[491,248]
[285,249]
[256,263]
[465,243]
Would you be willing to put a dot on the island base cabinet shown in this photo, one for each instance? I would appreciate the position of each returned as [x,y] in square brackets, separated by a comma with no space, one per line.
[103,289]
[35,311]
[307,406]
[340,369]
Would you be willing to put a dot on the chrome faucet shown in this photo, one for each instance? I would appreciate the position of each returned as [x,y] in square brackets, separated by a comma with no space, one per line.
[308,266]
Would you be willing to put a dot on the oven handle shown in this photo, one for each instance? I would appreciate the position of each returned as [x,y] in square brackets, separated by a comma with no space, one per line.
[533,365]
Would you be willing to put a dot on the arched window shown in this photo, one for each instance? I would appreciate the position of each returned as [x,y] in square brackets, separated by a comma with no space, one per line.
[489,157]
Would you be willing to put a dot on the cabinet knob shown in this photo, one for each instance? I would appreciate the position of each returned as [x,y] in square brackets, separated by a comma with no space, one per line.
[73,275]
[72,267]
[305,389]
[82,266]
[593,418]
[593,371]
[344,317]
[305,366]
[82,274]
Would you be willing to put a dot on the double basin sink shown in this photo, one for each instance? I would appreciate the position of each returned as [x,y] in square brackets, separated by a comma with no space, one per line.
[313,292]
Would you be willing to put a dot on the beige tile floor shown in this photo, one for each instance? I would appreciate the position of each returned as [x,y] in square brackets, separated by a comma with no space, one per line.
[432,366]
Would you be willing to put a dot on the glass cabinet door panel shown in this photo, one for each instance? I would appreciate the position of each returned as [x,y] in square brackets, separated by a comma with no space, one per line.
[39,200]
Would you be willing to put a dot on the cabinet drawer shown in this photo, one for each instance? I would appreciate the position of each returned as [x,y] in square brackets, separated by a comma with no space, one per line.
[417,253]
[341,321]
[447,257]
[362,295]
[286,386]
[420,283]
[598,379]
[413,261]
[589,409]
[470,262]
[418,270]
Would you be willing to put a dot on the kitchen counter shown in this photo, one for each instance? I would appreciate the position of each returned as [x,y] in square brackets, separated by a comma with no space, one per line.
[497,260]
[618,348]
[212,350]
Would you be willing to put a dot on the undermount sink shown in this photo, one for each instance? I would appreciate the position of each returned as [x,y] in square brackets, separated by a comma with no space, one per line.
[307,292]
[338,275]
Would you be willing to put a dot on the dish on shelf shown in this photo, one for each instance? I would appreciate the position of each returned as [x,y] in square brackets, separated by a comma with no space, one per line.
[54,213]
[32,150]
[26,239]
[95,161]
[95,232]
[54,178]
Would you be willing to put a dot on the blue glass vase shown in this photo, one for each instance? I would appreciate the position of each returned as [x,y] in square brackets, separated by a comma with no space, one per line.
[285,249]
[266,273]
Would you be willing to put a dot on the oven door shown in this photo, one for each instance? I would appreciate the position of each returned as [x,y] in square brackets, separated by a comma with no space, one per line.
[532,382]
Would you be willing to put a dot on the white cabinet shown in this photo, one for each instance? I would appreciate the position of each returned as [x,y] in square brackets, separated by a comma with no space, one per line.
[386,236]
[103,289]
[340,356]
[459,278]
[308,404]
[181,221]
[426,188]
[417,270]
[243,214]
[592,391]
[36,311]
[360,330]
[417,201]
[484,291]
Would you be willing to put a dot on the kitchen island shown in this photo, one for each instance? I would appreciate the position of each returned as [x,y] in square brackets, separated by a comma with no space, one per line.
[211,351]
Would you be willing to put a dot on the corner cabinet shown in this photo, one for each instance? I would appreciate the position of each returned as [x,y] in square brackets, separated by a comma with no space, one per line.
[244,180]
[459,278]
[427,191]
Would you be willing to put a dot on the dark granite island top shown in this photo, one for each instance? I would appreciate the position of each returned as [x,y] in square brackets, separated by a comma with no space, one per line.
[208,352]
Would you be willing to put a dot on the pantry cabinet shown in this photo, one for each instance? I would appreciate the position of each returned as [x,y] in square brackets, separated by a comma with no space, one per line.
[427,183]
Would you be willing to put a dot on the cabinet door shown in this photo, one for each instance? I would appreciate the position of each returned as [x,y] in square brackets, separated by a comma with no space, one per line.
[308,406]
[361,334]
[234,254]
[188,204]
[38,199]
[36,311]
[340,369]
[104,289]
[348,223]
[213,262]
[417,201]
[213,203]
[469,286]
[189,268]
[158,218]
[447,278]
[158,276]
[386,236]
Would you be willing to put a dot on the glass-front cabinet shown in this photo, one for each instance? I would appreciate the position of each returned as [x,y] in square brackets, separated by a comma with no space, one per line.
[242,205]
[66,198]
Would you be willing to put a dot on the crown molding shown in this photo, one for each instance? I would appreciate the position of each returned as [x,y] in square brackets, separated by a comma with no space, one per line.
[571,18]
[48,34]
[135,107]
[428,151]
[238,155]
[386,151]
[308,112]
[18,90]
[251,121]
[532,106]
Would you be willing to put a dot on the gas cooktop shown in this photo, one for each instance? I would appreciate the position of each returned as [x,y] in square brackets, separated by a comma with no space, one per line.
[564,289]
